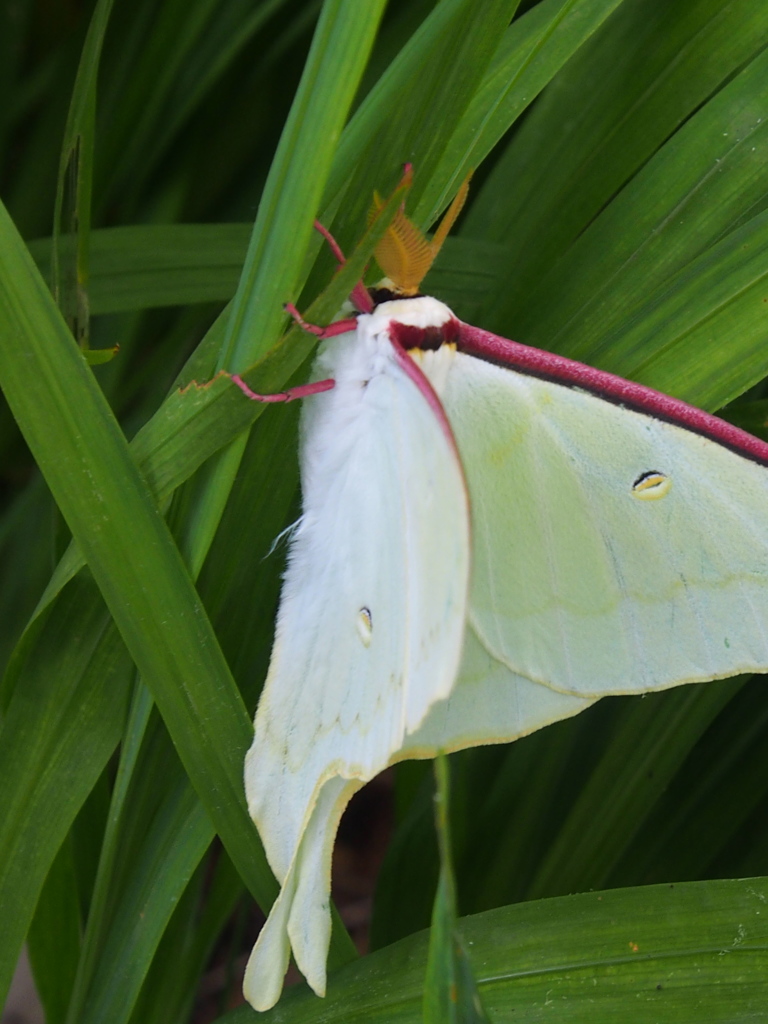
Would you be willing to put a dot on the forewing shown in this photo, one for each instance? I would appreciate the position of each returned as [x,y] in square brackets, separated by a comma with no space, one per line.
[581,579]
[371,615]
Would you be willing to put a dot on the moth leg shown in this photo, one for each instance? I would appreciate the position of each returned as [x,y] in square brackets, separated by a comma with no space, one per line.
[338,327]
[332,243]
[303,391]
[359,295]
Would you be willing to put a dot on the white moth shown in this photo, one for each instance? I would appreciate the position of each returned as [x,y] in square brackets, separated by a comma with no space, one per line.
[618,539]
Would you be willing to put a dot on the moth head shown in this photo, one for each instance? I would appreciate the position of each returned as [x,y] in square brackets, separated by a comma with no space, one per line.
[405,254]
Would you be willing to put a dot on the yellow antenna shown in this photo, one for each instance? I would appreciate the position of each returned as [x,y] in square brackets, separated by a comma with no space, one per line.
[404,253]
[449,218]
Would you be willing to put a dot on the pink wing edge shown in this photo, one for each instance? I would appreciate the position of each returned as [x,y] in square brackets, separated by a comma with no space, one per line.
[536,362]
[415,373]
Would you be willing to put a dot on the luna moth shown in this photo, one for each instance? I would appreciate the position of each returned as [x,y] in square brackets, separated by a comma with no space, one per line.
[492,538]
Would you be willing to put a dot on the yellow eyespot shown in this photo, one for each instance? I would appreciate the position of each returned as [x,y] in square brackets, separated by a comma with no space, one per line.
[365,625]
[651,485]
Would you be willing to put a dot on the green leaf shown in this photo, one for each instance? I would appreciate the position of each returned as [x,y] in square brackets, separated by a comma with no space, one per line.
[60,728]
[596,127]
[144,266]
[72,211]
[533,49]
[619,793]
[410,114]
[675,340]
[53,941]
[96,933]
[147,265]
[184,56]
[663,954]
[450,989]
[707,821]
[272,275]
[688,218]
[86,462]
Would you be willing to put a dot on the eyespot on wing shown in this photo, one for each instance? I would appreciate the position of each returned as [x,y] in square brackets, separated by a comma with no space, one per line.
[651,485]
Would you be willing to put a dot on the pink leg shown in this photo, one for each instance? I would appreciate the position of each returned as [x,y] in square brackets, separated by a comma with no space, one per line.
[339,327]
[359,296]
[361,299]
[303,391]
[334,245]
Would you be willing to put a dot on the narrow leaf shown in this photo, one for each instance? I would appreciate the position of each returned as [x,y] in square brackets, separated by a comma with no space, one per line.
[450,991]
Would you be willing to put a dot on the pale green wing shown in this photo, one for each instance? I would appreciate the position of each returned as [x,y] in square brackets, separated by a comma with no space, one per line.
[369,629]
[584,577]
[489,704]
[300,918]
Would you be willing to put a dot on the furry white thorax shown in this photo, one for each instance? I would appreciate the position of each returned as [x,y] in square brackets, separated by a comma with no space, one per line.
[357,356]
[419,311]
[354,360]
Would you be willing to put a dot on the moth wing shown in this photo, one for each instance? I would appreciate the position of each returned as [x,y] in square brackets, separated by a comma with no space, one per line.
[489,704]
[300,918]
[589,575]
[372,611]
